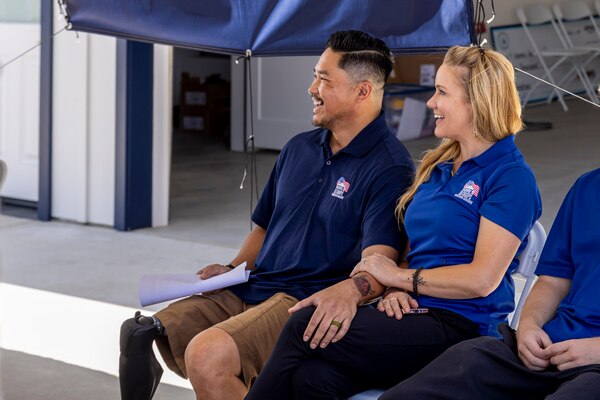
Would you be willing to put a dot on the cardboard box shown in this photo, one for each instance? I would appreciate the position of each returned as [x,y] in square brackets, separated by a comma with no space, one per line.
[195,98]
[416,69]
[193,123]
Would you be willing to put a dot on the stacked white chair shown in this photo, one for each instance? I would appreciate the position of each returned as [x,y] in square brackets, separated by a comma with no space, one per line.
[577,11]
[551,58]
[528,261]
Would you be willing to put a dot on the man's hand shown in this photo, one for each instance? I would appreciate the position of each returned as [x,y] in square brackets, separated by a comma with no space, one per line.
[212,270]
[382,268]
[396,302]
[336,303]
[531,345]
[574,353]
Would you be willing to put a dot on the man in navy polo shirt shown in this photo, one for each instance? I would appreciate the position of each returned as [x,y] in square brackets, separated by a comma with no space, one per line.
[556,351]
[329,201]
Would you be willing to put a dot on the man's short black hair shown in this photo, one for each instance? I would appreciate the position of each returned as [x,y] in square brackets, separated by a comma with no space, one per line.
[363,56]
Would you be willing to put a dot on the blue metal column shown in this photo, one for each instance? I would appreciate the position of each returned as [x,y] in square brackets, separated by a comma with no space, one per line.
[44,205]
[133,192]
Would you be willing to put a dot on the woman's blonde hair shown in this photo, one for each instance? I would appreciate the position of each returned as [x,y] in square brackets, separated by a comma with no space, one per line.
[489,83]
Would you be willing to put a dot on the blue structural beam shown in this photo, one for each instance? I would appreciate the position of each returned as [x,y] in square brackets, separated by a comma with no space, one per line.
[133,191]
[44,204]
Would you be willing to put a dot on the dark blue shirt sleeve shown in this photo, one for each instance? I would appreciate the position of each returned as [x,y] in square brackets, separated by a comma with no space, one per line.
[513,201]
[556,257]
[266,204]
[380,225]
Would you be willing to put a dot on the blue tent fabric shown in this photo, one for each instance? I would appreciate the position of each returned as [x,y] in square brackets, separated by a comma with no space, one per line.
[276,27]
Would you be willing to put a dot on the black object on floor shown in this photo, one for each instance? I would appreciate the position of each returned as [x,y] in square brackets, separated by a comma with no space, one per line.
[537,126]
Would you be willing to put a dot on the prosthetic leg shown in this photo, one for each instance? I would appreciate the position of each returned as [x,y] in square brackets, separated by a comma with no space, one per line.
[139,370]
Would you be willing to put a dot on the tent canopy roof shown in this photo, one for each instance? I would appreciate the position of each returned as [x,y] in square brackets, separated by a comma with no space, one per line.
[276,27]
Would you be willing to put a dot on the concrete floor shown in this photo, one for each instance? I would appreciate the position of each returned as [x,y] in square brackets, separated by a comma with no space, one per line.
[209,217]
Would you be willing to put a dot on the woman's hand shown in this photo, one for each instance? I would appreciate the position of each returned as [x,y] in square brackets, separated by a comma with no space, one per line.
[382,268]
[396,302]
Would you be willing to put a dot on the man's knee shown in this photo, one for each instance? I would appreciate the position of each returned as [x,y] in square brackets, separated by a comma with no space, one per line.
[210,353]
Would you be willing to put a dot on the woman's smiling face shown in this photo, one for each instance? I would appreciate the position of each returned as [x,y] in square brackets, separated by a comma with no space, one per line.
[450,105]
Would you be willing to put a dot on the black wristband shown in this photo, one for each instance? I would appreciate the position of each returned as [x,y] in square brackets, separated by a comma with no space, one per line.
[416,281]
[229,266]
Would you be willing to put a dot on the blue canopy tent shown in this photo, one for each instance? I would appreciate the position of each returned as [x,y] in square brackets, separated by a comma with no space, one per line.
[248,28]
[276,27]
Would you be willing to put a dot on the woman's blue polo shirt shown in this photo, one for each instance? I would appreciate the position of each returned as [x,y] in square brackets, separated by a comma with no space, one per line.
[572,251]
[321,210]
[442,223]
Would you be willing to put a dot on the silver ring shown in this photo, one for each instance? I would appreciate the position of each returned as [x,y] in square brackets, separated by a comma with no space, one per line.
[384,300]
[395,298]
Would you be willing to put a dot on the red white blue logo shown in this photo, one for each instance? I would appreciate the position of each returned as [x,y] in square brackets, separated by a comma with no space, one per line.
[341,187]
[468,191]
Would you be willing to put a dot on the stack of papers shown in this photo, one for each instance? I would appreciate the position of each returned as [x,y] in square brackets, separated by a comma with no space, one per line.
[158,288]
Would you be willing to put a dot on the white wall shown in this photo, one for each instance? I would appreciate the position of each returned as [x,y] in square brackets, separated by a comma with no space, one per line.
[83,142]
[101,129]
[19,109]
[162,133]
[282,105]
[83,145]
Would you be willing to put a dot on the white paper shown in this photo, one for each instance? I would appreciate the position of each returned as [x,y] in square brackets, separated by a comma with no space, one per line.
[427,76]
[158,288]
[411,120]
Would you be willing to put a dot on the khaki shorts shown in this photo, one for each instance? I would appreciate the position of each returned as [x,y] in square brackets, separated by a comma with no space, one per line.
[253,327]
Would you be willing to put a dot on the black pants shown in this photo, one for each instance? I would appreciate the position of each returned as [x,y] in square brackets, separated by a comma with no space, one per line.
[376,352]
[485,368]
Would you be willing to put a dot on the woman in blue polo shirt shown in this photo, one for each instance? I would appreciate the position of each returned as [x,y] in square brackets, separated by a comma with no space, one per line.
[467,216]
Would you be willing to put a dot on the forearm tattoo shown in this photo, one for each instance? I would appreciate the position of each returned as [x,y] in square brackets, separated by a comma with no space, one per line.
[363,285]
[419,281]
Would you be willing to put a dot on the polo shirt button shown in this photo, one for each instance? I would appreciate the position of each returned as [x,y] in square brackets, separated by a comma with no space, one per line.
[328,162]
[320,180]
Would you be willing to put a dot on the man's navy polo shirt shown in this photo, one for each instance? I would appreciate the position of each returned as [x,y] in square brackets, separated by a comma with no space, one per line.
[321,210]
[442,223]
[572,251]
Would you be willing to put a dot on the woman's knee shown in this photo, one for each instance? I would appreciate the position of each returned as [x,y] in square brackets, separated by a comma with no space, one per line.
[318,379]
[296,325]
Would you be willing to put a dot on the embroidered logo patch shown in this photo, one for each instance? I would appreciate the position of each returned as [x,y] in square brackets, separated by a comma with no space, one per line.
[341,187]
[468,191]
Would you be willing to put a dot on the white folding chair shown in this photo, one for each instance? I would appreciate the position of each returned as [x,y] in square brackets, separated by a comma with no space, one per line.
[2,172]
[577,11]
[372,394]
[534,15]
[528,260]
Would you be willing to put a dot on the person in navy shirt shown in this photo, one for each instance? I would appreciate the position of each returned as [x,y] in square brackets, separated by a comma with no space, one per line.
[556,351]
[467,216]
[329,201]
